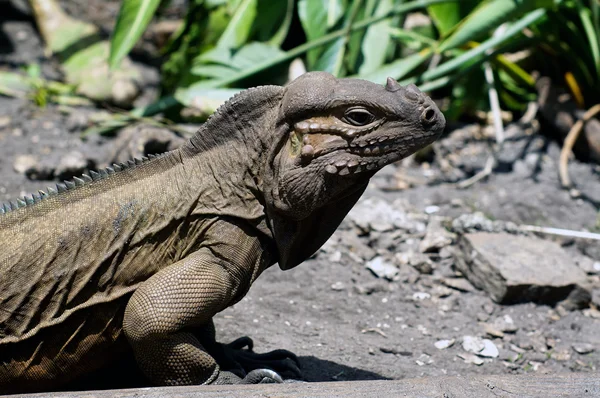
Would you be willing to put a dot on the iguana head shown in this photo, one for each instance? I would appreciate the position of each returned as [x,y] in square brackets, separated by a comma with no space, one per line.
[336,134]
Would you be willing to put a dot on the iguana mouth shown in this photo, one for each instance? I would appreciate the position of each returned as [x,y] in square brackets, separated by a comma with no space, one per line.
[360,152]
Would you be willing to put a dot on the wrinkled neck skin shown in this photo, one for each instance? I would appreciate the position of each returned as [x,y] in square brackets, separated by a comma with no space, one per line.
[236,165]
[304,204]
[222,164]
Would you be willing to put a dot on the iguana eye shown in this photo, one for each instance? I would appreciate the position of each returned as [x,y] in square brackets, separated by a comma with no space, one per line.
[358,117]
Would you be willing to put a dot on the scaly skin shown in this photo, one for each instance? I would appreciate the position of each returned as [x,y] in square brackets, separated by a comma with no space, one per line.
[146,256]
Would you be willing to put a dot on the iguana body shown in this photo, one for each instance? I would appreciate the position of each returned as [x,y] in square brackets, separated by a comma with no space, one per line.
[147,255]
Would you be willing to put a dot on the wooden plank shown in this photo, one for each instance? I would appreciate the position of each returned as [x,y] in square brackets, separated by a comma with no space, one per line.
[543,386]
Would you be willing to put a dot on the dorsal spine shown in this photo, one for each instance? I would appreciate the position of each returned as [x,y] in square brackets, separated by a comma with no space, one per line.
[73,184]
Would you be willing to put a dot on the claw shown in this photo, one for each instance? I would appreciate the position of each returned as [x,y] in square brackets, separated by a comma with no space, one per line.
[241,343]
[279,360]
[261,376]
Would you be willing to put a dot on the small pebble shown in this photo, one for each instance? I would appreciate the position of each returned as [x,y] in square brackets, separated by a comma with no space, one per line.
[443,344]
[583,348]
[418,296]
[470,358]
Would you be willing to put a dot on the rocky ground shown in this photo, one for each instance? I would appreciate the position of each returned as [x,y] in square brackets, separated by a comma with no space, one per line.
[423,278]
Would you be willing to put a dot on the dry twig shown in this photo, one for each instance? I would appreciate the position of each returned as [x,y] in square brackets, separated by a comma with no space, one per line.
[563,167]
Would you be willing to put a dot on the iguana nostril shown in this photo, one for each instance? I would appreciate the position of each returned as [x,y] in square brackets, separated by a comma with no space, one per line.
[429,115]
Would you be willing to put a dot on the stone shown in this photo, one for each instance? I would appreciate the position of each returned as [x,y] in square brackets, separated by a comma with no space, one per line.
[436,237]
[471,358]
[482,347]
[418,261]
[505,324]
[376,214]
[419,296]
[460,284]
[443,344]
[142,139]
[382,268]
[489,350]
[372,287]
[515,268]
[24,163]
[492,331]
[583,348]
[73,164]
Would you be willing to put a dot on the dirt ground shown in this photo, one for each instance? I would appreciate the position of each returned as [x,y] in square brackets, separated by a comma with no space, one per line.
[344,322]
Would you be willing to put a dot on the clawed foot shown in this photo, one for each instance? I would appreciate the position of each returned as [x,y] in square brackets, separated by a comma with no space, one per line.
[238,358]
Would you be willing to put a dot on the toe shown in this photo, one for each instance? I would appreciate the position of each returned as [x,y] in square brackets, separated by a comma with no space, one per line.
[262,376]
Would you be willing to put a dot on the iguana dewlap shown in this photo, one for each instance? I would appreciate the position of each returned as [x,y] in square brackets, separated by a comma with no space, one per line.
[144,254]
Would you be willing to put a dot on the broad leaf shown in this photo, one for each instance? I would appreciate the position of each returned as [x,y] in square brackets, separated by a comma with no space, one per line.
[240,26]
[313,17]
[253,54]
[134,16]
[446,16]
[479,51]
[376,41]
[399,68]
[592,35]
[488,16]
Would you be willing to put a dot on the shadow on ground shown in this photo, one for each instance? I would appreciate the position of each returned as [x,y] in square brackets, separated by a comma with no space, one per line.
[126,374]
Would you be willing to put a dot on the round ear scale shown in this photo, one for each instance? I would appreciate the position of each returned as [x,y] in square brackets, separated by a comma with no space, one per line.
[392,85]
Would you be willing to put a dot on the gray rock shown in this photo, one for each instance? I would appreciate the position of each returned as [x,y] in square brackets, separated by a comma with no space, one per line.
[24,163]
[142,140]
[579,298]
[588,265]
[583,348]
[73,164]
[436,237]
[32,168]
[477,221]
[376,214]
[596,297]
[443,344]
[418,261]
[471,358]
[460,284]
[372,287]
[512,268]
[505,324]
[481,347]
[382,268]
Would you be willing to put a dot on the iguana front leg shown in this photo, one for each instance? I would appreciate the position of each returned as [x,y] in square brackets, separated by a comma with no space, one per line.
[163,312]
[239,358]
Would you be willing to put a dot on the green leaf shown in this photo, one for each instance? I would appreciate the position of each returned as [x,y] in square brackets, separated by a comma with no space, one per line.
[335,10]
[376,41]
[331,60]
[399,68]
[313,17]
[134,16]
[254,53]
[288,55]
[446,16]
[217,64]
[488,16]
[279,36]
[14,85]
[489,44]
[412,39]
[238,30]
[592,35]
